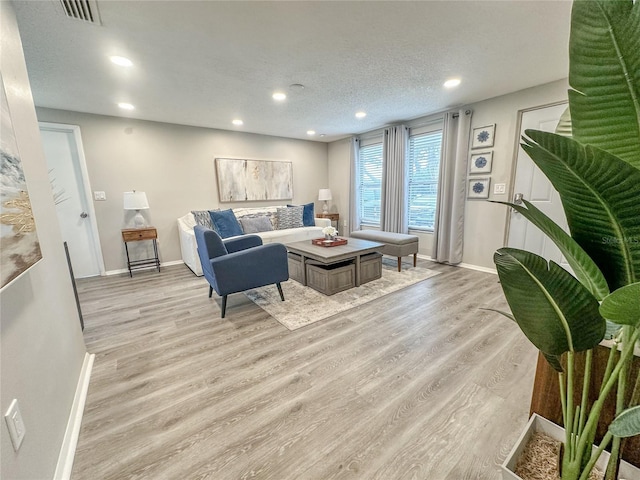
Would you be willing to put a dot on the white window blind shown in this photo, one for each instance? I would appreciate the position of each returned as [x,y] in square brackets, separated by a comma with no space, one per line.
[424,168]
[370,183]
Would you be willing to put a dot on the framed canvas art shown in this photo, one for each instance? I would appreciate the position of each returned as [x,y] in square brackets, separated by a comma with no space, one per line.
[19,245]
[480,162]
[478,188]
[241,180]
[483,136]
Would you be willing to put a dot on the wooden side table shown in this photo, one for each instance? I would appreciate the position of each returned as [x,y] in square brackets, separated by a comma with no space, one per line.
[333,217]
[136,235]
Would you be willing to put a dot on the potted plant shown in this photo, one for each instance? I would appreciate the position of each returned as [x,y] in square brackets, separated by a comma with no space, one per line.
[597,174]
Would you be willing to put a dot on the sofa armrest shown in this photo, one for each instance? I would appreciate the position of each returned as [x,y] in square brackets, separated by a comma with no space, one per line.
[322,222]
[243,242]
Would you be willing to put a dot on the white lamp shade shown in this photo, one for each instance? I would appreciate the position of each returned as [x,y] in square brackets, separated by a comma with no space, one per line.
[324,194]
[135,201]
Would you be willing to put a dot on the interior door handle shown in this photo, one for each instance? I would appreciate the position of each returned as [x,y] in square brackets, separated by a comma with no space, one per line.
[517,198]
[84,215]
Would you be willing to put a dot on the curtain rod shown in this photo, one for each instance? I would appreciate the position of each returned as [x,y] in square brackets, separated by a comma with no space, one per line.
[466,112]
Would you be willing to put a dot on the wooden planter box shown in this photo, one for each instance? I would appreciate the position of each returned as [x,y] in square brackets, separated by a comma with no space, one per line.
[541,424]
[331,279]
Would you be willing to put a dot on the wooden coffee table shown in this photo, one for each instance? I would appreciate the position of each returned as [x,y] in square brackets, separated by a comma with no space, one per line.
[353,250]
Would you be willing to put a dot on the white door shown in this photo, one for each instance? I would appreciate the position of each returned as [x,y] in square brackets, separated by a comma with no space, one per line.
[532,185]
[67,172]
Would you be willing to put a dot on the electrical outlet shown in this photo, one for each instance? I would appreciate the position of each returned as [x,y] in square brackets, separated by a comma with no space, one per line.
[344,223]
[100,196]
[13,417]
[500,188]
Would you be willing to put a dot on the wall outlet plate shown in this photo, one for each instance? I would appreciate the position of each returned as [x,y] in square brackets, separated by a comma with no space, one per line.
[500,188]
[16,427]
[100,196]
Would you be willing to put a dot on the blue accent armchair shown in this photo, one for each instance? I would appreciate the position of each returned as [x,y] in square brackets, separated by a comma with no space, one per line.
[239,264]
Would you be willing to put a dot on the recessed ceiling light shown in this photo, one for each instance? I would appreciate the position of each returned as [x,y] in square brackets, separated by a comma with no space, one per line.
[311,132]
[296,86]
[279,96]
[238,122]
[361,114]
[122,61]
[322,135]
[126,106]
[452,82]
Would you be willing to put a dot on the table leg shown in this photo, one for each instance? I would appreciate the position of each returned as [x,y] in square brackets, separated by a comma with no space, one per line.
[155,251]
[128,261]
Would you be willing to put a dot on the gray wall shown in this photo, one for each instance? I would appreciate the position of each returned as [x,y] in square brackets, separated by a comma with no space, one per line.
[174,165]
[485,223]
[41,345]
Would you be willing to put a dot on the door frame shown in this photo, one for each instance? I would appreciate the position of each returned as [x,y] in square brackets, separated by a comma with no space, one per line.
[514,160]
[86,185]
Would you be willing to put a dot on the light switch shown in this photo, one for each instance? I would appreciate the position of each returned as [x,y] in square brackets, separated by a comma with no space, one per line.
[13,417]
[500,188]
[99,196]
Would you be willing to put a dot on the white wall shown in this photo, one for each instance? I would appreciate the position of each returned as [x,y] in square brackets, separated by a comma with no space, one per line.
[41,345]
[174,165]
[485,222]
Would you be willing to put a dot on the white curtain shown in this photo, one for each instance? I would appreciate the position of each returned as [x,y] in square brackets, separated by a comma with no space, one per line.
[354,201]
[395,148]
[449,222]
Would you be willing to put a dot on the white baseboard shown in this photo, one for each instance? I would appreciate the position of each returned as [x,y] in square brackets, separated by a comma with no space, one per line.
[70,440]
[478,268]
[163,264]
[464,265]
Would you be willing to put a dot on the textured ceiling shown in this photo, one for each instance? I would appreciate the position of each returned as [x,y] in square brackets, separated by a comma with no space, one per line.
[205,63]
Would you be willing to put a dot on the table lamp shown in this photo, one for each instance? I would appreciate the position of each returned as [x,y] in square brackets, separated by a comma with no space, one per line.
[136,201]
[324,195]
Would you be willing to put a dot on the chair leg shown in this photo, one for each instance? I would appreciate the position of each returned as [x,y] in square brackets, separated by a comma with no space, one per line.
[280,291]
[415,259]
[224,306]
[399,264]
[210,291]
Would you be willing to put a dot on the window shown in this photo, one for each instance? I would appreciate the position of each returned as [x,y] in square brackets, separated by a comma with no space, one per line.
[370,183]
[423,167]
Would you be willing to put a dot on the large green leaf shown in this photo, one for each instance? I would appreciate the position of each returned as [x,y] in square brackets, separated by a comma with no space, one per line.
[627,424]
[584,268]
[604,73]
[600,194]
[623,306]
[553,309]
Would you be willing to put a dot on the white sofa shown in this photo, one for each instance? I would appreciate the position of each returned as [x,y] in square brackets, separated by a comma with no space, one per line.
[188,239]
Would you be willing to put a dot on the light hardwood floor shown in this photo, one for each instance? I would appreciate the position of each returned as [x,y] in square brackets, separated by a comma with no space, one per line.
[419,384]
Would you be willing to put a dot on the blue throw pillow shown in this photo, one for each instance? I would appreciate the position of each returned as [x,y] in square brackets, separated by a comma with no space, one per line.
[226,223]
[308,215]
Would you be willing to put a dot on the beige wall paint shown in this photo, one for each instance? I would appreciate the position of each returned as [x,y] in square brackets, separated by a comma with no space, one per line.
[174,165]
[41,344]
[339,154]
[485,222]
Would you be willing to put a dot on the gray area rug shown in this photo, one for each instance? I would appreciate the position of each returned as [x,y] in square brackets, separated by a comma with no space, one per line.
[304,306]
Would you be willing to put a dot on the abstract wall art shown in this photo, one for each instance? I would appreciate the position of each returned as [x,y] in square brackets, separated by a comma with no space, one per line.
[479,188]
[483,136]
[480,162]
[19,245]
[241,180]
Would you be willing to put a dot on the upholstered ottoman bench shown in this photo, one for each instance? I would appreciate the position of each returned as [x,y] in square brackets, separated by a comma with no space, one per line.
[395,244]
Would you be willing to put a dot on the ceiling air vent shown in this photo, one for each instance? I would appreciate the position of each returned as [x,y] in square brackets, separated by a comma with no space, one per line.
[85,10]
